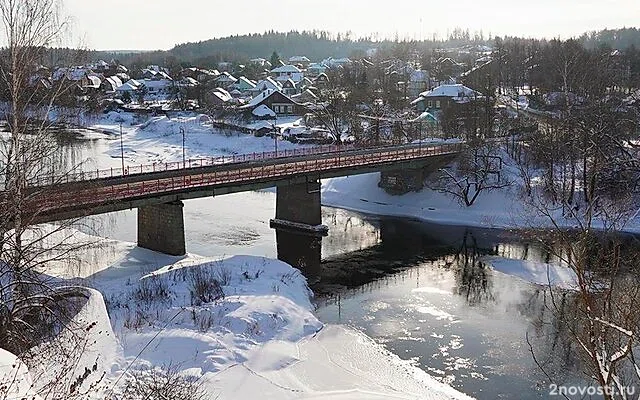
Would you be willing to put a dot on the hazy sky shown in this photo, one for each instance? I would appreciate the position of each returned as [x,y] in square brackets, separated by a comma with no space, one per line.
[161,24]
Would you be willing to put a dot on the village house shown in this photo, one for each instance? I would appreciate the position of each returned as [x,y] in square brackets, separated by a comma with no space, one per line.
[261,62]
[289,87]
[277,101]
[445,96]
[315,69]
[92,84]
[299,60]
[307,96]
[287,72]
[225,80]
[111,84]
[244,84]
[321,81]
[265,84]
[217,97]
[78,74]
[336,62]
[129,88]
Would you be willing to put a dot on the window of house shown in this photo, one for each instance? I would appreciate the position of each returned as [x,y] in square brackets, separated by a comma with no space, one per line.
[437,103]
[276,109]
[430,104]
[289,109]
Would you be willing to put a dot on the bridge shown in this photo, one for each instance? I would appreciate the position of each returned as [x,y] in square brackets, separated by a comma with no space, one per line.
[157,190]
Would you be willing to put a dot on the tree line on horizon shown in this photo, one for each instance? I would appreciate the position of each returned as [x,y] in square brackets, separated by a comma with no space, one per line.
[319,45]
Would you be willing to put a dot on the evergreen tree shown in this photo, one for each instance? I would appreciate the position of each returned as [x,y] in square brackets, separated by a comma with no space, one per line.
[275,58]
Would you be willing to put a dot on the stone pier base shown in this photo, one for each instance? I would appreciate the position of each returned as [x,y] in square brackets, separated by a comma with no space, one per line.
[161,228]
[298,209]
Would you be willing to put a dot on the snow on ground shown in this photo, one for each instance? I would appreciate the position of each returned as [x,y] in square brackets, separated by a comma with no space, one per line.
[15,379]
[535,272]
[254,335]
[159,140]
[262,339]
[361,193]
[503,208]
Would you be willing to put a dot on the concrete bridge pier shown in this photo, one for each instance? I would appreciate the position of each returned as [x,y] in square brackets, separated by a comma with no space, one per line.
[405,180]
[402,181]
[161,228]
[298,225]
[298,208]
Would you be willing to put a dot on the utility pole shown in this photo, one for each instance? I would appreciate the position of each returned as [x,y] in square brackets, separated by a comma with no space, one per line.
[121,149]
[184,155]
[275,134]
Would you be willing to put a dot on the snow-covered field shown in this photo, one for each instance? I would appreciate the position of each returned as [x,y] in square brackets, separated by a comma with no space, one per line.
[159,140]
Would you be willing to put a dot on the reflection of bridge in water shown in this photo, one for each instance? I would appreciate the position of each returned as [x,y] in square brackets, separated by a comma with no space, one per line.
[391,245]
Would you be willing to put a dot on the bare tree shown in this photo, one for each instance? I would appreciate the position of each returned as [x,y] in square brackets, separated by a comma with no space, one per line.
[333,111]
[599,321]
[33,308]
[478,170]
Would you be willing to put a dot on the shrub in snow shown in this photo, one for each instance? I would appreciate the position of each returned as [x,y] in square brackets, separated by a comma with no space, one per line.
[204,287]
[162,383]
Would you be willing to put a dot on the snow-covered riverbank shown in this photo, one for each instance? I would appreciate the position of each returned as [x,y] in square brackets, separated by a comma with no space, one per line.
[244,325]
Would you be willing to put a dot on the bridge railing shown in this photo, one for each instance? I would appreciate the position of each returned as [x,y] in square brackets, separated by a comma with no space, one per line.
[129,170]
[244,173]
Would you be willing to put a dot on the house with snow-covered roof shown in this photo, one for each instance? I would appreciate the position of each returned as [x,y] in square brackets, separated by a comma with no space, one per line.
[277,101]
[129,88]
[289,87]
[158,87]
[187,82]
[266,84]
[92,83]
[244,84]
[226,79]
[217,97]
[315,69]
[285,72]
[336,62]
[300,60]
[110,84]
[445,96]
[262,62]
[263,112]
[77,74]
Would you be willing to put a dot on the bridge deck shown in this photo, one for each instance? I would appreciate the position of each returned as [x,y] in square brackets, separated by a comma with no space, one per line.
[104,194]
